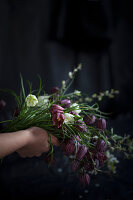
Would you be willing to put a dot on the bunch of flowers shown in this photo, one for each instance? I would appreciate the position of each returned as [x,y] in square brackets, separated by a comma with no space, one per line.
[80,127]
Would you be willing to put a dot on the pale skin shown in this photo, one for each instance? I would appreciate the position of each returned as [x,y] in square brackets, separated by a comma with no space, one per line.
[27,143]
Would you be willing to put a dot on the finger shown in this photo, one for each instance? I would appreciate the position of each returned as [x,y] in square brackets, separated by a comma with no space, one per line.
[47,147]
[54,140]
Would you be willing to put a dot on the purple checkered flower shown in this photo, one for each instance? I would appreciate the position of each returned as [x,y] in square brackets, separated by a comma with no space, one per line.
[56,109]
[58,119]
[81,126]
[101,124]
[65,103]
[84,179]
[81,152]
[101,146]
[89,120]
[101,157]
[54,90]
[69,146]
[75,165]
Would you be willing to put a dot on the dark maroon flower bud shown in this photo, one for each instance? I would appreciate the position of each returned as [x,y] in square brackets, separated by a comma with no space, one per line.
[48,159]
[2,104]
[84,179]
[101,157]
[75,165]
[101,124]
[89,120]
[81,152]
[56,109]
[65,103]
[101,146]
[54,90]
[81,126]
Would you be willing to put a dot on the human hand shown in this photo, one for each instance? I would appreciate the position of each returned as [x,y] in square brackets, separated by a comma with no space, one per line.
[37,142]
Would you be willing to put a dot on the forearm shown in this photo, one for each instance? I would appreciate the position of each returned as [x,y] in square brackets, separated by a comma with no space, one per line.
[11,142]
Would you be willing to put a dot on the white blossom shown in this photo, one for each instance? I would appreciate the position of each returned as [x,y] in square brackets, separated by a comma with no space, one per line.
[69,118]
[76,108]
[31,100]
[43,101]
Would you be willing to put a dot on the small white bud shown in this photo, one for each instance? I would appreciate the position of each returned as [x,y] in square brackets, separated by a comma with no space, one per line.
[63,84]
[70,74]
[79,66]
[75,70]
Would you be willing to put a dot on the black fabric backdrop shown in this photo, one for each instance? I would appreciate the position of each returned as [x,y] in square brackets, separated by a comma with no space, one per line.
[50,37]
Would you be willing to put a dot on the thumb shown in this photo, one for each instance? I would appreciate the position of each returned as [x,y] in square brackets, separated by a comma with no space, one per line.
[54,140]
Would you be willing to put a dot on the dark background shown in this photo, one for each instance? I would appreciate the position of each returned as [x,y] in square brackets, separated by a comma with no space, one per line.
[49,38]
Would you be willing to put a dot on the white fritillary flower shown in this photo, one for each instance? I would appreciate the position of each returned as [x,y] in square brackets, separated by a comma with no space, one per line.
[69,118]
[31,100]
[76,108]
[43,101]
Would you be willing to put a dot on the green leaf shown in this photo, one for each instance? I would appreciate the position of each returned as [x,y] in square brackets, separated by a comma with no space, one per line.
[22,86]
[40,86]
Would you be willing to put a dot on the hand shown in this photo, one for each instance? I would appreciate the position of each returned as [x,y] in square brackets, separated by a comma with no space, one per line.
[38,142]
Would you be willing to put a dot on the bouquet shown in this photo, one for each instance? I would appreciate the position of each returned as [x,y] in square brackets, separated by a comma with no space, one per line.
[76,121]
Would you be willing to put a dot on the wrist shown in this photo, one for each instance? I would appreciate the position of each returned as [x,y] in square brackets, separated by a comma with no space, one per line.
[25,137]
